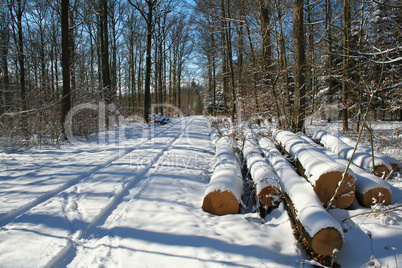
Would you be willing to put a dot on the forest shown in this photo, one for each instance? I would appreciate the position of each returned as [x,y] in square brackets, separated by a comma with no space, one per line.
[281,60]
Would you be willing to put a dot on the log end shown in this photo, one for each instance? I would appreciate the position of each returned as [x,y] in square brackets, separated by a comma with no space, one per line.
[326,185]
[220,203]
[380,170]
[269,196]
[326,240]
[380,194]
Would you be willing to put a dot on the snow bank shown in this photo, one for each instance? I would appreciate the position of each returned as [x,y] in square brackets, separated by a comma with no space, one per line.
[223,193]
[266,183]
[394,163]
[320,170]
[369,188]
[323,233]
[360,158]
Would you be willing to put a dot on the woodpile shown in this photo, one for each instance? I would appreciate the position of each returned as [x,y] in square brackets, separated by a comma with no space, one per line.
[360,158]
[320,231]
[394,163]
[369,188]
[266,184]
[323,173]
[223,193]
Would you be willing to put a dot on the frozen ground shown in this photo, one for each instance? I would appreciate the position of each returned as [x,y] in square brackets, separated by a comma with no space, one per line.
[135,201]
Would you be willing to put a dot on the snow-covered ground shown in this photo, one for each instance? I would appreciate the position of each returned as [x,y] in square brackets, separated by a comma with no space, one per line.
[135,201]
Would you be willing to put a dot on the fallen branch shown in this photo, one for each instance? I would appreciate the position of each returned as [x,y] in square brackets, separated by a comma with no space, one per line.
[371,211]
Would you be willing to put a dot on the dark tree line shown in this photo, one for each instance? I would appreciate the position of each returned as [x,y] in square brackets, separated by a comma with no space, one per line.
[292,60]
[297,60]
[56,55]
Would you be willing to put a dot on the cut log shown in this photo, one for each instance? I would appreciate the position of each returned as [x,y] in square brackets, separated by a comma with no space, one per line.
[369,188]
[223,193]
[265,181]
[322,172]
[322,232]
[394,163]
[360,158]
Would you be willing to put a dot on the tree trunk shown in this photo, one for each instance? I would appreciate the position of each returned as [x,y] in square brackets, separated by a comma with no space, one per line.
[284,66]
[106,81]
[148,62]
[300,66]
[346,62]
[311,65]
[230,60]
[5,38]
[16,13]
[328,22]
[65,63]
[254,62]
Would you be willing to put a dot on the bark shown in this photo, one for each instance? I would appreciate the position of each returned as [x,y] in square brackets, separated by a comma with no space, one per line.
[300,65]
[104,35]
[16,14]
[284,67]
[65,62]
[5,36]
[346,62]
[254,62]
[267,55]
[148,61]
[230,60]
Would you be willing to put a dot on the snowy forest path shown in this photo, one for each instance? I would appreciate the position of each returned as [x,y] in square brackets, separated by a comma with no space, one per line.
[69,214]
[145,210]
[38,193]
[152,154]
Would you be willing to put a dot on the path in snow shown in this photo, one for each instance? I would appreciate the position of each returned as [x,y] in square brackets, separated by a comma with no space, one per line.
[161,223]
[138,207]
[24,190]
[137,203]
[55,220]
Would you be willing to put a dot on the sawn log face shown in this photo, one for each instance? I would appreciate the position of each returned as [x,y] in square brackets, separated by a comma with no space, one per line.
[326,185]
[220,203]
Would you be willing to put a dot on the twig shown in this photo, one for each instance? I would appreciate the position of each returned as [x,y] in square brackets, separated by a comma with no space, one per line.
[360,133]
[351,158]
[371,211]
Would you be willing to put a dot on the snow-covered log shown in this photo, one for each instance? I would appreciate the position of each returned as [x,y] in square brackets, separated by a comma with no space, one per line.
[394,163]
[265,181]
[323,173]
[360,158]
[369,188]
[223,193]
[322,232]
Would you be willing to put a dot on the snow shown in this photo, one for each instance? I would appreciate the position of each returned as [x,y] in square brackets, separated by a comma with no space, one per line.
[137,203]
[360,158]
[310,211]
[313,161]
[227,174]
[260,171]
[365,181]
[366,149]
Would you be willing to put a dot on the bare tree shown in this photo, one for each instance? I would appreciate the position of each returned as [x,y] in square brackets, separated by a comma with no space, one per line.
[65,63]
[300,65]
[16,10]
[346,61]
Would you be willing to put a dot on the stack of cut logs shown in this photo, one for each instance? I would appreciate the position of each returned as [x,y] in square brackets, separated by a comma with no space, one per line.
[326,180]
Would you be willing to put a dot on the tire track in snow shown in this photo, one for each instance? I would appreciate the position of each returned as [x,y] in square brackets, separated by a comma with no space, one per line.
[68,252]
[11,215]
